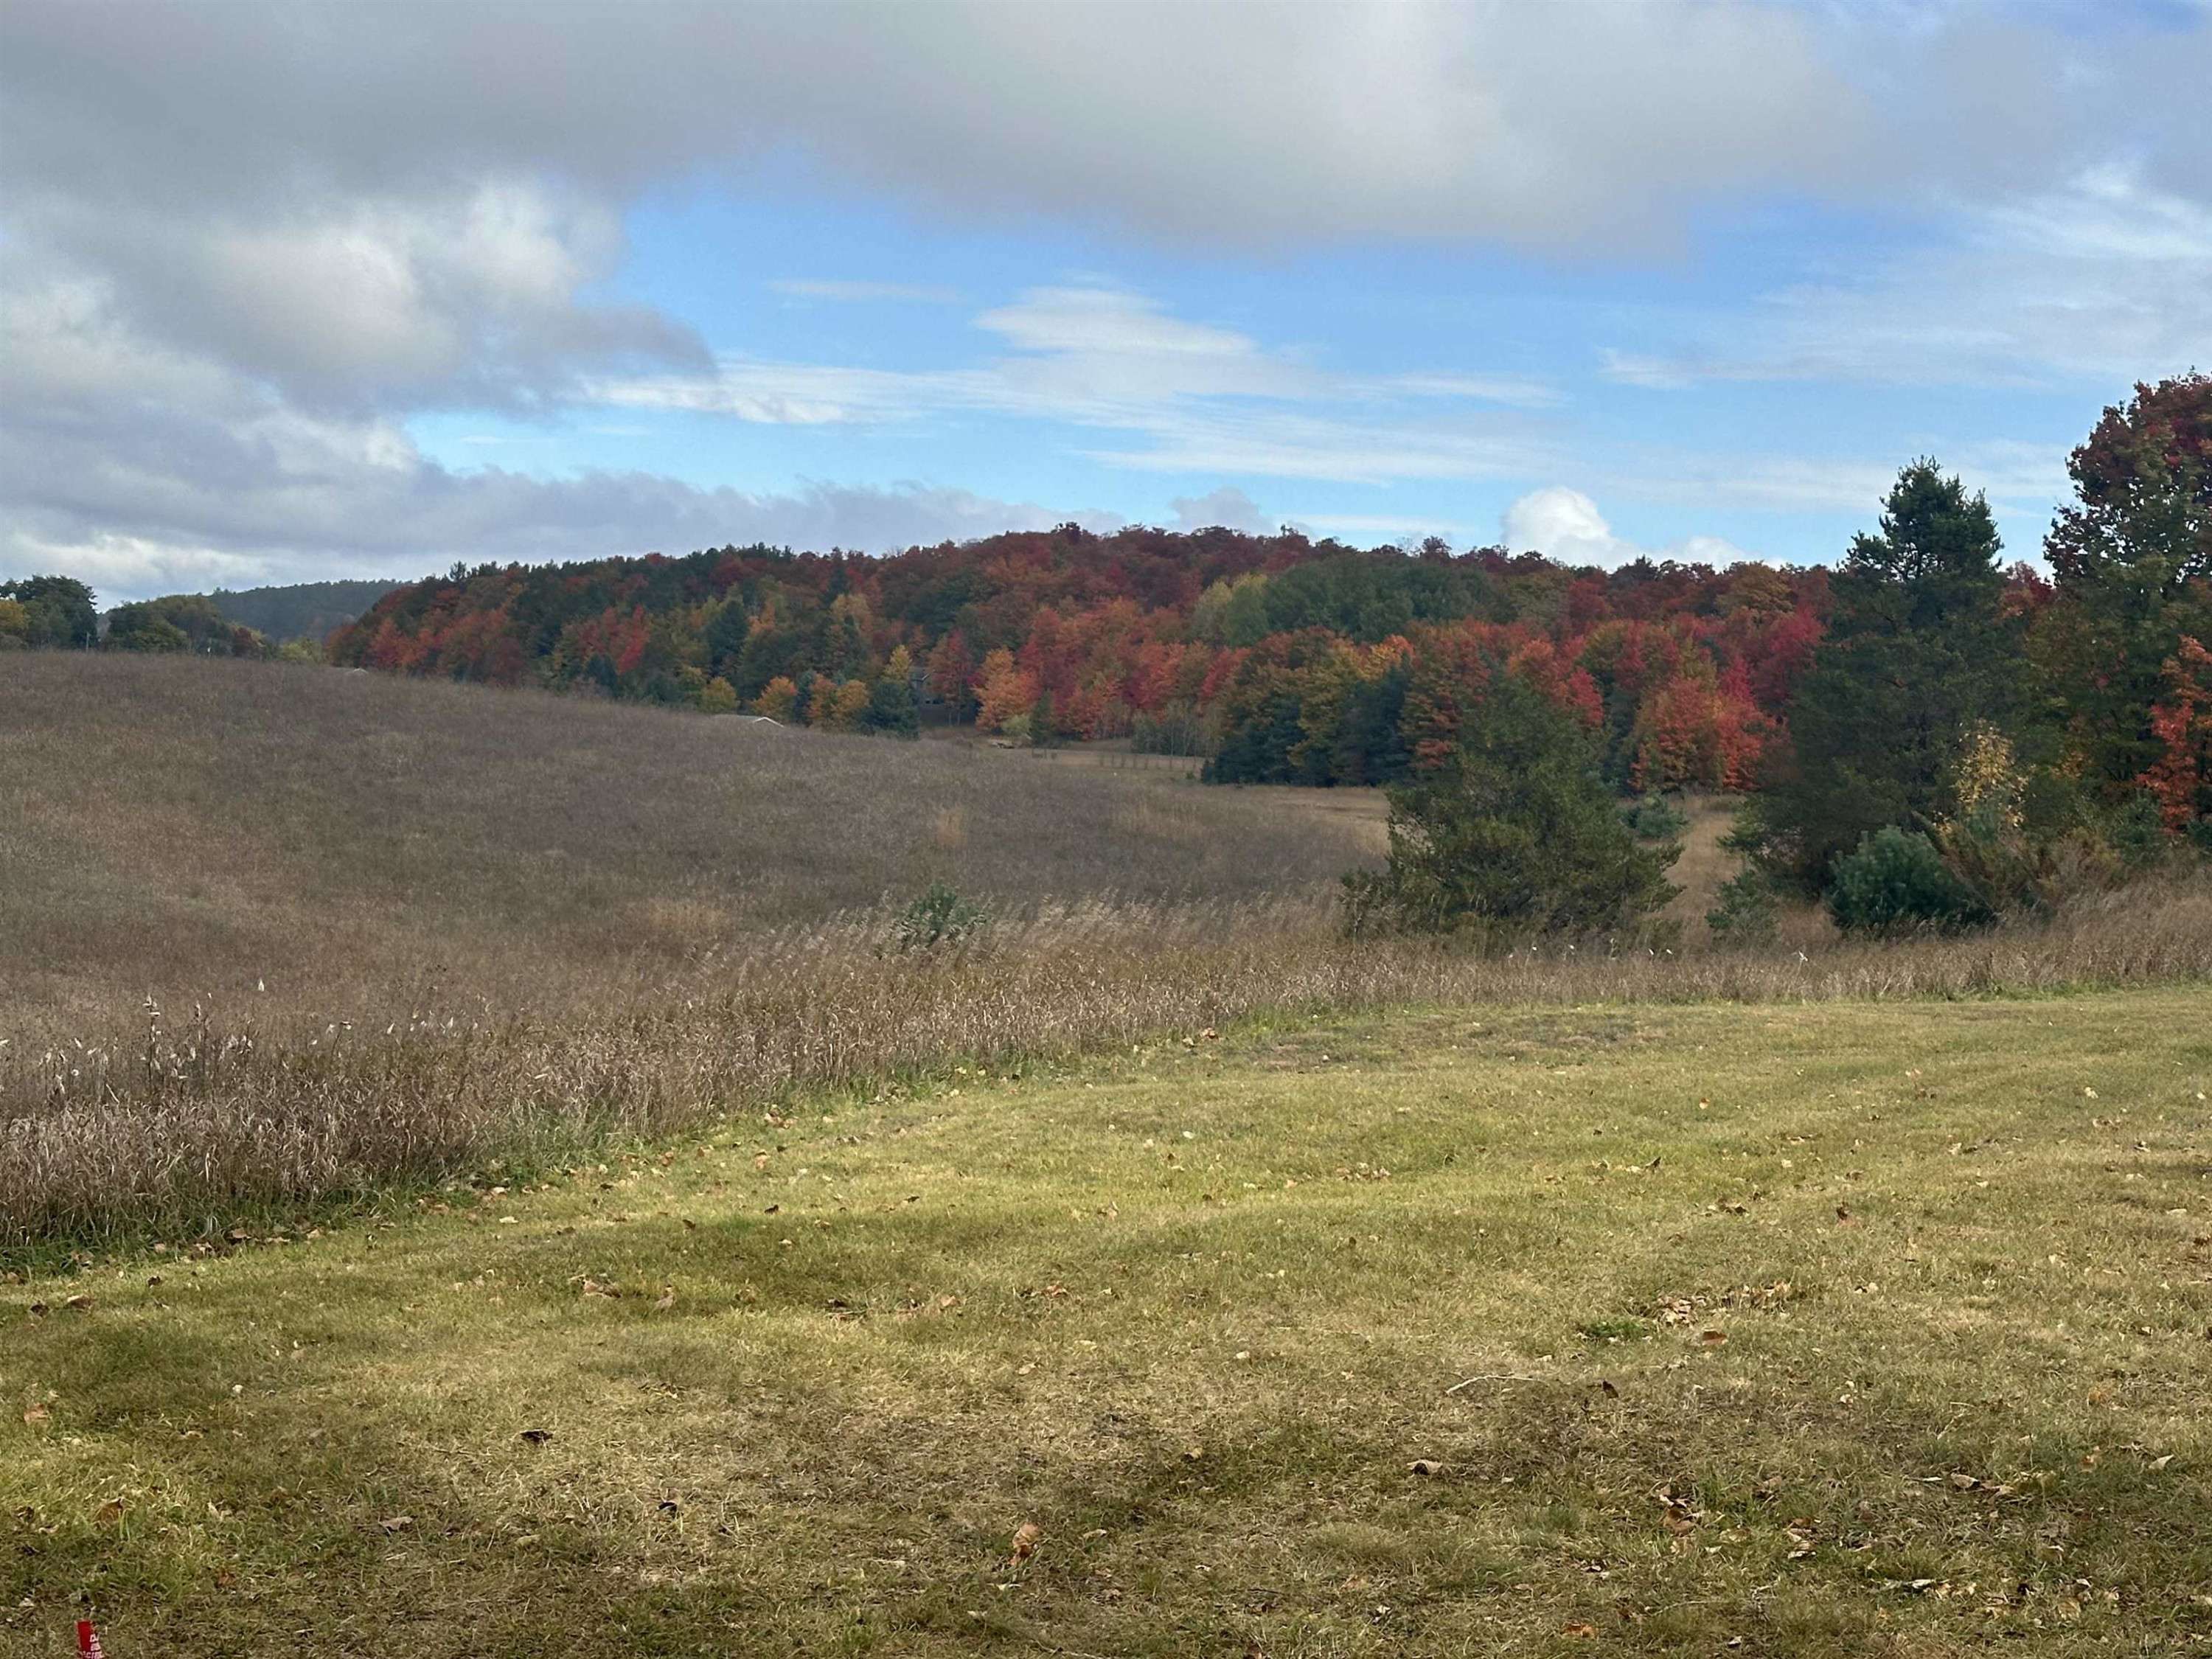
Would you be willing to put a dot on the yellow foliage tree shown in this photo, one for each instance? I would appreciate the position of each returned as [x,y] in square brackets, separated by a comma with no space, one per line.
[778,698]
[1004,690]
[846,706]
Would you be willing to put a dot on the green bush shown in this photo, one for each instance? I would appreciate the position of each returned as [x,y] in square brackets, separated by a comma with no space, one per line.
[1895,883]
[1747,912]
[1515,835]
[2136,831]
[939,916]
[1655,818]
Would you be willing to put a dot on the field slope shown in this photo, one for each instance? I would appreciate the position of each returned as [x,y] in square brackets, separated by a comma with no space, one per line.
[1788,1330]
[312,840]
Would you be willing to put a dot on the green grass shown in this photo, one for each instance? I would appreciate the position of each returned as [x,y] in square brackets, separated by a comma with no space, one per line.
[1204,1317]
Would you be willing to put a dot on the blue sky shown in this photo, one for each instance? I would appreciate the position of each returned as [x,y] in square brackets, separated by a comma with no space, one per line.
[336,293]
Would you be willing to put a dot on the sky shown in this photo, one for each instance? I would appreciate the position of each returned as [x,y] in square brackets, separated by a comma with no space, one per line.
[293,292]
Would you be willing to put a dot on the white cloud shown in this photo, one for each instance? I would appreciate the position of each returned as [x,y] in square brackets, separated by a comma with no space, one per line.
[146,471]
[2106,279]
[1263,124]
[1565,525]
[1199,397]
[1228,508]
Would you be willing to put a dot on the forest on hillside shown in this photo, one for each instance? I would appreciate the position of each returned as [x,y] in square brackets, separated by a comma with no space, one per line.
[1921,683]
[1845,693]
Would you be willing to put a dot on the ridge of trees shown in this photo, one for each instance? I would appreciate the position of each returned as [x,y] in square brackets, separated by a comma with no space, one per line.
[1287,660]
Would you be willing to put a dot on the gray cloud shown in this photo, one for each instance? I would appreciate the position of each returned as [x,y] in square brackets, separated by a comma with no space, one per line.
[241,242]
[144,470]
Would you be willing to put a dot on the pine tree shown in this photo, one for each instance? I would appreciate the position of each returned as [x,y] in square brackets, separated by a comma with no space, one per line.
[1917,653]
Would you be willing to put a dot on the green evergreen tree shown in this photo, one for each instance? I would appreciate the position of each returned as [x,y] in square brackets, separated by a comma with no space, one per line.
[1516,835]
[891,708]
[1917,651]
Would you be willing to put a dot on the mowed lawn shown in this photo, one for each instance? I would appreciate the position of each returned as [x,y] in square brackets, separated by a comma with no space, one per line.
[1825,1330]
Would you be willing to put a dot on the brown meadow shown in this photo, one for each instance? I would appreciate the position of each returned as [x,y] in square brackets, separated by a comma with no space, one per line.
[277,936]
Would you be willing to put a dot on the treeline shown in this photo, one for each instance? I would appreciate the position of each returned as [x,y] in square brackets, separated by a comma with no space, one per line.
[60,613]
[2033,730]
[1961,742]
[1285,660]
[1966,741]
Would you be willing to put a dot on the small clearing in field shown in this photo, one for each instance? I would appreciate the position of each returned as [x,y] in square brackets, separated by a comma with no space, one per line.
[1792,1330]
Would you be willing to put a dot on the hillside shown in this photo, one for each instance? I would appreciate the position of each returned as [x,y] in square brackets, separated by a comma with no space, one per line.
[179,826]
[1300,661]
[279,938]
[301,611]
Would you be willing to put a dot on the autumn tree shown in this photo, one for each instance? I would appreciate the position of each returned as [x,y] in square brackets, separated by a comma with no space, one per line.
[1003,690]
[778,700]
[2132,563]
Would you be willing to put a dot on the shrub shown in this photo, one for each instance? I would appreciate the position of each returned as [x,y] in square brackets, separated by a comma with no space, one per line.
[1747,912]
[939,916]
[2136,831]
[1514,835]
[1655,818]
[1896,882]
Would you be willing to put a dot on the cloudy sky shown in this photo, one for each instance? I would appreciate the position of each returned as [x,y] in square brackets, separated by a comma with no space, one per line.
[313,290]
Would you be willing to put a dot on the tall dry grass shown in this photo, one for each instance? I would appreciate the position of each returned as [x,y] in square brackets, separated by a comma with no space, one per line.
[189,828]
[181,1125]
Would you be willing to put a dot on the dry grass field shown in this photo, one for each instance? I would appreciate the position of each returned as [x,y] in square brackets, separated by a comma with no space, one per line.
[278,943]
[182,828]
[1786,1329]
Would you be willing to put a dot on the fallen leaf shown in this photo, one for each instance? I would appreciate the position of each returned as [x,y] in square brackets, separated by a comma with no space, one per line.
[1712,1338]
[1425,1466]
[34,1415]
[1027,1536]
[1578,1628]
[396,1523]
[536,1436]
[79,1302]
[109,1514]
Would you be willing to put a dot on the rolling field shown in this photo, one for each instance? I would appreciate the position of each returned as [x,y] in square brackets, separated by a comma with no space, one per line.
[325,840]
[1799,1329]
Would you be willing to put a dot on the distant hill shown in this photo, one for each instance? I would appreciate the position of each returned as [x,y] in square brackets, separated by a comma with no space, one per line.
[1287,659]
[304,611]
